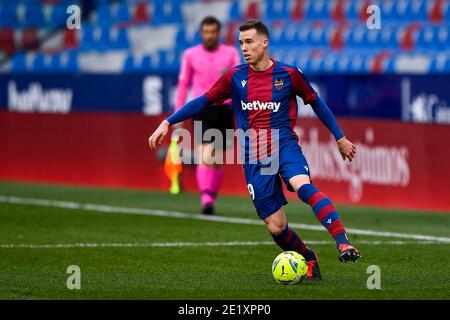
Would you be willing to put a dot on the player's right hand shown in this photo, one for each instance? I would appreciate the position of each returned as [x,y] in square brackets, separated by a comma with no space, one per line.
[159,134]
[347,149]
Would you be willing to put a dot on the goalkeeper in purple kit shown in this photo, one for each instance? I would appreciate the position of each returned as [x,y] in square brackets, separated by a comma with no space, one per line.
[263,93]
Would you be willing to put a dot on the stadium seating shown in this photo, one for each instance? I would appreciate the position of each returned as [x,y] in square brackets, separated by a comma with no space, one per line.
[319,35]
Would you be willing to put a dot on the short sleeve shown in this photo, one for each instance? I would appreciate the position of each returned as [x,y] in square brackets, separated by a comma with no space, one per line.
[221,90]
[301,86]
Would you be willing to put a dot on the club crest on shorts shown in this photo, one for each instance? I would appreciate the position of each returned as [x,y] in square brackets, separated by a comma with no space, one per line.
[278,83]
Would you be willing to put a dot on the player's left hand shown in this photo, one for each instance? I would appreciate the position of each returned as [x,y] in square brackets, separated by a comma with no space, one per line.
[159,134]
[346,148]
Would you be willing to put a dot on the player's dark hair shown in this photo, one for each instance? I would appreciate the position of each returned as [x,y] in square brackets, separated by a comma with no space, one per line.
[209,20]
[260,27]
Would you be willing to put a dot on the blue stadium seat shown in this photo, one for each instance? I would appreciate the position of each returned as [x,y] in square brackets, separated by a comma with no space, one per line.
[235,14]
[417,11]
[197,39]
[122,41]
[168,60]
[58,16]
[177,14]
[163,61]
[87,38]
[276,10]
[447,14]
[302,58]
[104,43]
[388,36]
[317,37]
[289,36]
[372,38]
[400,11]
[55,63]
[343,63]
[389,12]
[306,66]
[290,56]
[347,9]
[34,17]
[123,12]
[166,12]
[330,62]
[276,35]
[72,62]
[181,41]
[437,63]
[146,64]
[158,15]
[355,37]
[426,38]
[353,10]
[276,53]
[357,64]
[442,38]
[103,16]
[8,16]
[129,64]
[317,10]
[303,34]
[19,63]
[315,64]
[38,64]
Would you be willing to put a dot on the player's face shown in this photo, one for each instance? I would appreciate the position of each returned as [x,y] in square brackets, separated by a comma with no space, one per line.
[210,35]
[253,45]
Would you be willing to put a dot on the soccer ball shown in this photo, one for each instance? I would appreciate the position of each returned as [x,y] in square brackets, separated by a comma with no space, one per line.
[289,267]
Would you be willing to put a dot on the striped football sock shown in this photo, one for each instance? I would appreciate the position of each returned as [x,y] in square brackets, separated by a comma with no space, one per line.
[288,240]
[324,211]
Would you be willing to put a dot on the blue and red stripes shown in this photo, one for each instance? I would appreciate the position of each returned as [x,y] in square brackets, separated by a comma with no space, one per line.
[289,240]
[324,211]
[259,88]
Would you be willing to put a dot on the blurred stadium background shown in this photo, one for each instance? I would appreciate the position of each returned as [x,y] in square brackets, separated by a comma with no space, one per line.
[77,107]
[92,95]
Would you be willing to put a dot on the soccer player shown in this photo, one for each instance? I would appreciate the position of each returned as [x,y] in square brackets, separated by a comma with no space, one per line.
[264,94]
[201,66]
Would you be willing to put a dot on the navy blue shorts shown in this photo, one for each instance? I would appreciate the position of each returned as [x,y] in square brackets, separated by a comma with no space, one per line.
[264,179]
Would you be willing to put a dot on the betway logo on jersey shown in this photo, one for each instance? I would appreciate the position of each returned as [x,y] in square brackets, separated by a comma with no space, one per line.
[258,105]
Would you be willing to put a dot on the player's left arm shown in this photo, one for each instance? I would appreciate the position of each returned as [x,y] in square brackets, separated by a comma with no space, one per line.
[323,112]
[304,90]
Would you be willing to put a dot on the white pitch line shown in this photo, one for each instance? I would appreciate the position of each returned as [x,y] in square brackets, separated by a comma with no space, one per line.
[183,215]
[133,245]
[188,244]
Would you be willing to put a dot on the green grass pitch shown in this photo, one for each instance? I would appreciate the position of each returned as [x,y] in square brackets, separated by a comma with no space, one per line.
[127,258]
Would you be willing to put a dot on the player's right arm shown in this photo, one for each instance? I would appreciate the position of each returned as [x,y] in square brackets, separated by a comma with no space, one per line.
[219,92]
[303,89]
